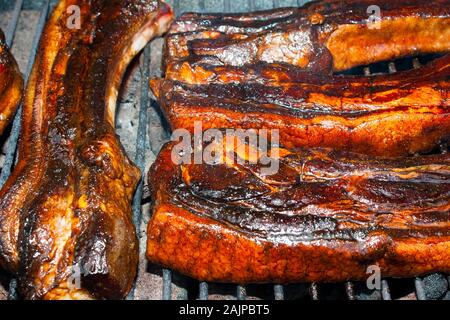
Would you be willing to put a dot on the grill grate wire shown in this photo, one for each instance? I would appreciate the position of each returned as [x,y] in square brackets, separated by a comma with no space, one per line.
[12,141]
[12,26]
[385,290]
[279,292]
[241,293]
[139,160]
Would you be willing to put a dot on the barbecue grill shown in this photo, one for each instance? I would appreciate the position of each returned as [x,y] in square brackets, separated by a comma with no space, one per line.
[143,132]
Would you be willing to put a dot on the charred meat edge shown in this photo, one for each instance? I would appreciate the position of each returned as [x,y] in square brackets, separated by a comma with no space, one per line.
[68,202]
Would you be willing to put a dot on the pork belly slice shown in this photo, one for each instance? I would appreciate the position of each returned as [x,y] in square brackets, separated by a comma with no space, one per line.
[322,36]
[325,216]
[11,85]
[65,212]
[390,115]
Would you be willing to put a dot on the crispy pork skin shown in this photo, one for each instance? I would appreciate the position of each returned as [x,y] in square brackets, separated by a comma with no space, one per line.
[322,36]
[324,216]
[11,85]
[391,115]
[65,213]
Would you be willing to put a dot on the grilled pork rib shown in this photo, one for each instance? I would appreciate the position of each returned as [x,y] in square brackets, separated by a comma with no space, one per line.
[325,216]
[11,85]
[66,210]
[260,70]
[391,115]
[321,35]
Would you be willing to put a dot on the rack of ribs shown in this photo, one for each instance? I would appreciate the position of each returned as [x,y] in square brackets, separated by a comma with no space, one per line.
[11,85]
[324,216]
[66,210]
[237,71]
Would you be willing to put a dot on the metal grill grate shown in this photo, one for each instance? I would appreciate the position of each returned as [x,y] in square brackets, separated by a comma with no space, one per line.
[145,145]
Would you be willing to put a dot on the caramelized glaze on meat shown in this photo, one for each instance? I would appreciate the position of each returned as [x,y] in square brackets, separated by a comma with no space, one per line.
[11,85]
[275,69]
[68,202]
[396,114]
[322,35]
[324,216]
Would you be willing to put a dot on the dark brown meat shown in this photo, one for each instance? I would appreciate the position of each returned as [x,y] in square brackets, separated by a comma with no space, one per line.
[11,85]
[321,35]
[67,205]
[260,70]
[390,115]
[324,216]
